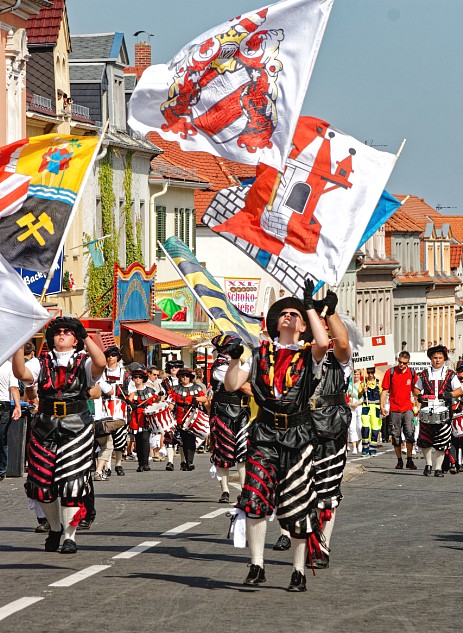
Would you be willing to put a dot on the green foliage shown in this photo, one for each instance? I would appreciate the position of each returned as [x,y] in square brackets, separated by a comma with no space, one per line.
[99,280]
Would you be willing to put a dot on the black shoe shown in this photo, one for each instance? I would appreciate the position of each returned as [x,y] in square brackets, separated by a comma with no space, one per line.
[107,472]
[69,547]
[256,575]
[119,471]
[453,469]
[169,466]
[319,563]
[297,582]
[183,466]
[43,526]
[85,524]
[400,464]
[438,473]
[225,498]
[410,464]
[52,540]
[283,543]
[146,467]
[427,471]
[190,466]
[140,469]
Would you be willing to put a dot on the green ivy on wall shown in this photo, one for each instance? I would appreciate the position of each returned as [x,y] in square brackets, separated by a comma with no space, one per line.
[101,279]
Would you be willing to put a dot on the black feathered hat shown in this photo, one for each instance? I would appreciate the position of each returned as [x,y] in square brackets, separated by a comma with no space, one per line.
[62,322]
[140,371]
[111,350]
[186,371]
[174,363]
[438,349]
[284,304]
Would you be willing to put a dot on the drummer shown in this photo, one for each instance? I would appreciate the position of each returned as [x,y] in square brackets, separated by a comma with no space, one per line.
[141,398]
[435,389]
[186,398]
[456,449]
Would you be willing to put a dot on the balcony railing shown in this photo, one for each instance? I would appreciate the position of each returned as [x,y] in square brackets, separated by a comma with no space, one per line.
[41,102]
[80,110]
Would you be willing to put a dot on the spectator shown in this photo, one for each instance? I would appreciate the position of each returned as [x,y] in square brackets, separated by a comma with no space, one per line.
[9,390]
[370,389]
[399,383]
[355,404]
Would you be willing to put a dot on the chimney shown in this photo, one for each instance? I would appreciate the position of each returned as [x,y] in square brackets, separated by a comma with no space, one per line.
[142,55]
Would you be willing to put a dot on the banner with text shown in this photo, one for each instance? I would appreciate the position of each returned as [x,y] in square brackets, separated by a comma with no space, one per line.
[377,351]
[243,293]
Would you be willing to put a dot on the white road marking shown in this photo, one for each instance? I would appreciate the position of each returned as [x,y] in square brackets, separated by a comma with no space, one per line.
[80,575]
[138,549]
[181,528]
[17,605]
[215,513]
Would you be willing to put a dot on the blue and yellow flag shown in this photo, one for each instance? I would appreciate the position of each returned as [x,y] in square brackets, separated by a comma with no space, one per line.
[210,294]
[41,180]
[95,248]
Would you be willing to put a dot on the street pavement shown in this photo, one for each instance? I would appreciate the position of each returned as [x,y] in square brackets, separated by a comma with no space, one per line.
[158,558]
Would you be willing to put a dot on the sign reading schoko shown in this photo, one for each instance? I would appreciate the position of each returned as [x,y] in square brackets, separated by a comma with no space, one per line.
[243,293]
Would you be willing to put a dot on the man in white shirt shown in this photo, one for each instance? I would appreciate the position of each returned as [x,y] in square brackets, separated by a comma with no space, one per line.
[9,390]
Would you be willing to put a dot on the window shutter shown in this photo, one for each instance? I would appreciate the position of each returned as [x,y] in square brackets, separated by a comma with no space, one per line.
[187,227]
[193,232]
[160,230]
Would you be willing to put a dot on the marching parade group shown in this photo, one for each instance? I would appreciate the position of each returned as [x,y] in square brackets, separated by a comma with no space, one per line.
[289,447]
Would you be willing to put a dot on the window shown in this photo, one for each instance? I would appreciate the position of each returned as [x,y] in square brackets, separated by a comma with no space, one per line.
[186,238]
[161,216]
[193,236]
[298,197]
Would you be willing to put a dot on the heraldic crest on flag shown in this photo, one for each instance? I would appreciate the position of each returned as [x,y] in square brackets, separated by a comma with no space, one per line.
[237,90]
[40,179]
[325,199]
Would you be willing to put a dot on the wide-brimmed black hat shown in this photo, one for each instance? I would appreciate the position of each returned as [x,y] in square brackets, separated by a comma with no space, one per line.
[62,322]
[140,371]
[111,350]
[459,367]
[438,349]
[174,363]
[283,304]
[186,371]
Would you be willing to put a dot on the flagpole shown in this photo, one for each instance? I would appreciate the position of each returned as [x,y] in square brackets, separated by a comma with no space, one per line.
[276,184]
[401,148]
[73,212]
[198,298]
[89,242]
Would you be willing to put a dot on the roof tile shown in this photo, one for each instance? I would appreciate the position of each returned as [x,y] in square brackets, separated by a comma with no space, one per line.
[44,28]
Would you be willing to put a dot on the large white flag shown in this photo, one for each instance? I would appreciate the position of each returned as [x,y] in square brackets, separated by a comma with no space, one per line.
[21,315]
[327,195]
[237,90]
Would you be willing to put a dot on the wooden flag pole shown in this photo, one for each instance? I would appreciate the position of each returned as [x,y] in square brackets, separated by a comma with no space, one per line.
[276,184]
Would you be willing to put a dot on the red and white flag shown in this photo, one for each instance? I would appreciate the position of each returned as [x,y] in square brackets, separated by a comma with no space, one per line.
[237,90]
[323,204]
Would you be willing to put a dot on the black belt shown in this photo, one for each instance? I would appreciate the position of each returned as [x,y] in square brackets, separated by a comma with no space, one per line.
[327,401]
[5,405]
[230,398]
[62,408]
[283,421]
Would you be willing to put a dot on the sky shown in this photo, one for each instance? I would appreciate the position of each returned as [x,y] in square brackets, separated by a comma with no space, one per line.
[387,70]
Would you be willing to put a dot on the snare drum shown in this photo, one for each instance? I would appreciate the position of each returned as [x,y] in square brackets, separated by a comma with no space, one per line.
[457,425]
[197,422]
[159,417]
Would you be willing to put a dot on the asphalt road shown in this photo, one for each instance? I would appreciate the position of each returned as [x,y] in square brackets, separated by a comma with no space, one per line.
[396,560]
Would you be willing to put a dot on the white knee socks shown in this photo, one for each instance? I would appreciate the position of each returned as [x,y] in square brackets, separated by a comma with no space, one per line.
[328,528]
[427,452]
[51,511]
[439,459]
[223,473]
[241,468]
[170,454]
[299,546]
[68,515]
[256,530]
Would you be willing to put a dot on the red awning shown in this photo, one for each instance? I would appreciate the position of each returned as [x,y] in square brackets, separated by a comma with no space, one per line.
[157,333]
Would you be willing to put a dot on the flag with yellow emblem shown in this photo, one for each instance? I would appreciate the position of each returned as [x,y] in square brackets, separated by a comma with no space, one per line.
[210,294]
[41,181]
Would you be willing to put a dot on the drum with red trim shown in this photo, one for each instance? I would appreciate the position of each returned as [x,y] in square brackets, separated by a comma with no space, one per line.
[159,417]
[457,425]
[197,422]
[117,409]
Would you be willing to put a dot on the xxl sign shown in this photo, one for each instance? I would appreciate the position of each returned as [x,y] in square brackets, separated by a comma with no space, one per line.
[243,293]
